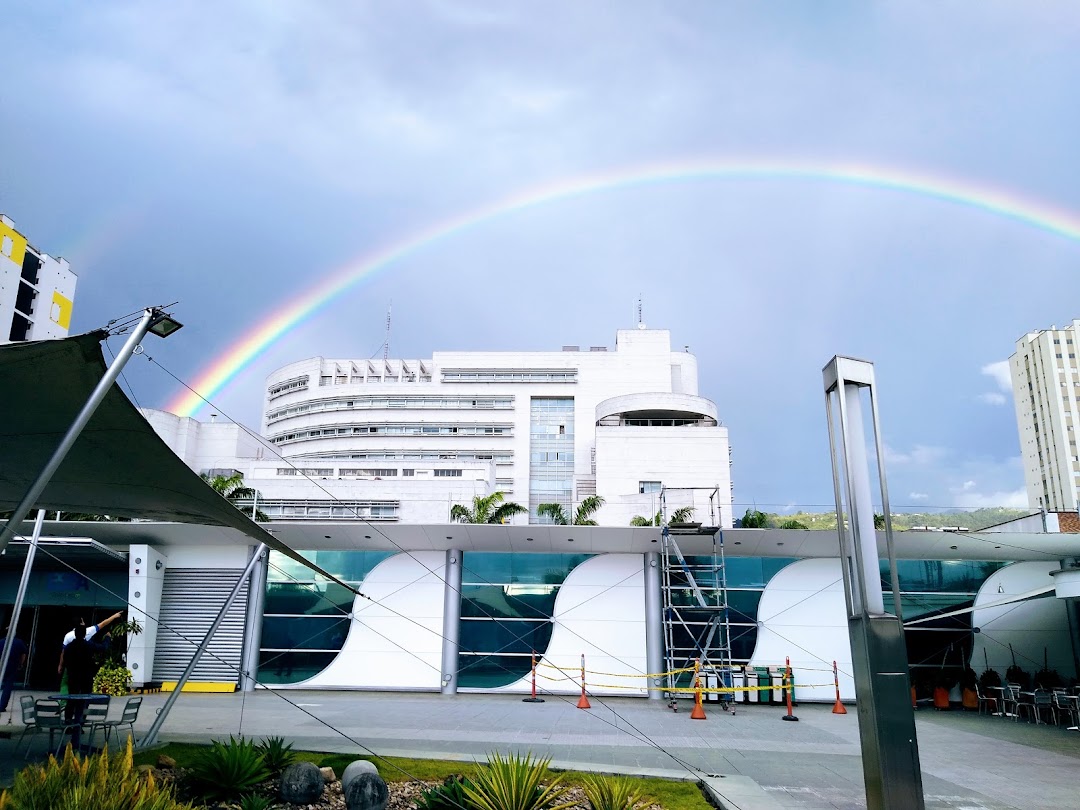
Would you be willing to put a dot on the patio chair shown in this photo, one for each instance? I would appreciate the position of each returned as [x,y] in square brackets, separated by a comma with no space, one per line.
[94,718]
[127,718]
[1012,700]
[989,703]
[49,716]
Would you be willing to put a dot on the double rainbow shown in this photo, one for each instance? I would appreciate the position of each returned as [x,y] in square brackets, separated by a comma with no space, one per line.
[210,382]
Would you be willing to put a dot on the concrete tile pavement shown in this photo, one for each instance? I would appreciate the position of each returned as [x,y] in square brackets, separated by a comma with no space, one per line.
[978,763]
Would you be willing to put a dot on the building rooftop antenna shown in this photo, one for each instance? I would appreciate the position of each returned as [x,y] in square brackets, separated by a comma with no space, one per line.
[640,322]
[386,345]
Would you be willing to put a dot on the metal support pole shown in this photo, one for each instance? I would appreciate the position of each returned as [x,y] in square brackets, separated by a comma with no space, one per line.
[890,750]
[253,623]
[99,392]
[451,622]
[16,609]
[654,625]
[151,735]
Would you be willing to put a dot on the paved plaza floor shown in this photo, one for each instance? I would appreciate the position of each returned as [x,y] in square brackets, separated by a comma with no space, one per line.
[969,762]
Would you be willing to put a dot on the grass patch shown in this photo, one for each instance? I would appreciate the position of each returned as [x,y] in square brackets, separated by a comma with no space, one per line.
[670,795]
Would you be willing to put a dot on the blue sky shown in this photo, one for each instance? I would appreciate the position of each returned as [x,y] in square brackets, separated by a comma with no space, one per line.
[230,160]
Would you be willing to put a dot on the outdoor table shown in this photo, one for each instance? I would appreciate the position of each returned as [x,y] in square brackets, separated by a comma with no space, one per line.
[1000,698]
[1075,701]
[76,733]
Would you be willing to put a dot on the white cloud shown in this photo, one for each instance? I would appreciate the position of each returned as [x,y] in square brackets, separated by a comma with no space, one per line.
[968,486]
[918,496]
[1016,499]
[920,455]
[992,398]
[1000,372]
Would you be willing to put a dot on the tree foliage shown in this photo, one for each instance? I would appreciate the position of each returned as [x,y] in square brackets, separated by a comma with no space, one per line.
[486,509]
[753,519]
[680,515]
[232,489]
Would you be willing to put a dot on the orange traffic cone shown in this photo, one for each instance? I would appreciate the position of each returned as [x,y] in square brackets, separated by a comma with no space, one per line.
[699,711]
[838,707]
[583,701]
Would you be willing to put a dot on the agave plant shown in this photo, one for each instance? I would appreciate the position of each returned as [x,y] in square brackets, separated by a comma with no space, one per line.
[611,793]
[450,795]
[226,771]
[514,783]
[277,755]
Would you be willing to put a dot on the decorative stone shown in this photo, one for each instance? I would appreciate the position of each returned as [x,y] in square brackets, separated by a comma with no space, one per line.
[165,761]
[366,791]
[354,769]
[328,775]
[145,769]
[302,783]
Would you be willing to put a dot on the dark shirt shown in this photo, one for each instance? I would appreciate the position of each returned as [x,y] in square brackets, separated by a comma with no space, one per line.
[80,665]
[18,650]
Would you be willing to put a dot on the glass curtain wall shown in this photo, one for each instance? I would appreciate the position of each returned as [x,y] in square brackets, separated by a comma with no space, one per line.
[306,616]
[551,453]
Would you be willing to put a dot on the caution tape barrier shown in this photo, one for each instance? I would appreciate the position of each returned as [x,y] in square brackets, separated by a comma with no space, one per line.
[617,674]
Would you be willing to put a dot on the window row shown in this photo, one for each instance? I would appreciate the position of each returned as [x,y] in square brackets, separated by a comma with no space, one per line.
[411,429]
[359,379]
[286,386]
[502,457]
[509,375]
[381,402]
[328,510]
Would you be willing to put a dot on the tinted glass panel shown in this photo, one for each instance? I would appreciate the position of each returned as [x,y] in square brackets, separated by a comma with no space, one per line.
[487,671]
[750,572]
[493,568]
[350,566]
[292,667]
[486,636]
[309,633]
[508,601]
[957,576]
[328,599]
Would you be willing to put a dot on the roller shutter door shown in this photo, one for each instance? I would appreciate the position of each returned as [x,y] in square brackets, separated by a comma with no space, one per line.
[190,600]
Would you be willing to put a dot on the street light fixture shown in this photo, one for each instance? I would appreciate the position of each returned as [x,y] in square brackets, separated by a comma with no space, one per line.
[163,324]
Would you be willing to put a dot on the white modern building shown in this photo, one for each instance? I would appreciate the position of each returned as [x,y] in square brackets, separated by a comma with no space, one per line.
[406,440]
[37,291]
[1046,389]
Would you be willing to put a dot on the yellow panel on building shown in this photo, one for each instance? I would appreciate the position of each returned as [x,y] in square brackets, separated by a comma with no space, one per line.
[60,311]
[12,244]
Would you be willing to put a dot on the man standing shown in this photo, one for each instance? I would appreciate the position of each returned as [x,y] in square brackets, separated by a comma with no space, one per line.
[16,660]
[77,663]
[91,631]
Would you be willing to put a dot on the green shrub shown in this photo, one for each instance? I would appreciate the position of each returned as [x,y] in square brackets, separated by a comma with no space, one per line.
[277,755]
[513,783]
[611,793]
[253,801]
[113,679]
[450,795]
[226,771]
[91,783]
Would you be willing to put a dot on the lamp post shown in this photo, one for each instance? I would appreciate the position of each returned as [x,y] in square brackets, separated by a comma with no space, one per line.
[890,751]
[154,320]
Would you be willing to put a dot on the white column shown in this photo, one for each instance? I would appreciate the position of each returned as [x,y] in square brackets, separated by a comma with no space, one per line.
[146,574]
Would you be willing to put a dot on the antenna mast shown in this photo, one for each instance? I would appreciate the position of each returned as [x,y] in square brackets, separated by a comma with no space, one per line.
[386,345]
[640,322]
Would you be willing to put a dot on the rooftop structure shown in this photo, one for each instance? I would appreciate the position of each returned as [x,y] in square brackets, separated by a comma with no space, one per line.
[36,290]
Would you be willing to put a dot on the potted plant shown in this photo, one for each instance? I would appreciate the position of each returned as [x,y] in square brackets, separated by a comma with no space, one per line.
[113,677]
[968,690]
[942,684]
[1015,674]
[1047,679]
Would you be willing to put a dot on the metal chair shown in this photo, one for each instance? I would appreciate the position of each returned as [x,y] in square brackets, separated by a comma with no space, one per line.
[49,716]
[987,702]
[1012,700]
[94,718]
[127,718]
[29,719]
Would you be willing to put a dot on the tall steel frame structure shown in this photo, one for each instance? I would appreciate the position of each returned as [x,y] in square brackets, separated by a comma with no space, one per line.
[695,603]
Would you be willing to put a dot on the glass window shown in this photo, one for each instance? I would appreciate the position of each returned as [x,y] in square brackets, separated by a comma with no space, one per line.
[304,632]
[645,487]
[292,667]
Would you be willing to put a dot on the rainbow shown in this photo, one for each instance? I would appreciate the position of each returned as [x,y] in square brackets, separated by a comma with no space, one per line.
[246,349]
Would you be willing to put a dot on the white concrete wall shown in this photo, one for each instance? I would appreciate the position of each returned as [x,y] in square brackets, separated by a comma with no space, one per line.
[694,456]
[146,574]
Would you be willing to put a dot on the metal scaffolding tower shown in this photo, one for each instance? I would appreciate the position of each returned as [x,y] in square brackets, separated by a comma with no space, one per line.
[695,604]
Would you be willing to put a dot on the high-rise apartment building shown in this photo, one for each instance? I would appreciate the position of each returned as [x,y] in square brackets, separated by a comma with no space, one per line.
[36,290]
[1046,390]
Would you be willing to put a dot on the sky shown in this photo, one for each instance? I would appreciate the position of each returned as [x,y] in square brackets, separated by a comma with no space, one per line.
[233,159]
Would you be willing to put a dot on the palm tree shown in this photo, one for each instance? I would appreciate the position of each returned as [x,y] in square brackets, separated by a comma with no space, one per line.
[486,509]
[582,515]
[753,519]
[680,515]
[793,524]
[232,489]
[554,511]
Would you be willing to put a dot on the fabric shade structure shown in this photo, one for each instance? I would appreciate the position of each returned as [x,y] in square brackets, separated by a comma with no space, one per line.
[118,466]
